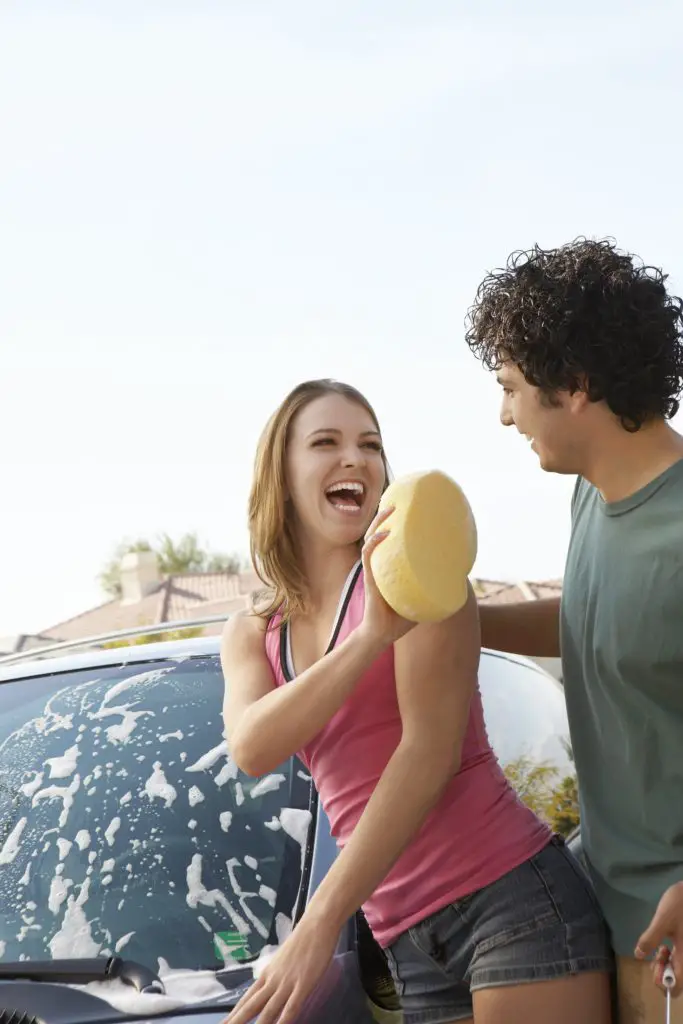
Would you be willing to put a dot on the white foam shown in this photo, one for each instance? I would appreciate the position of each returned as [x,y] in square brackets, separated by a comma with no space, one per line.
[3,947]
[63,793]
[209,759]
[228,772]
[74,938]
[108,865]
[178,735]
[52,720]
[243,896]
[124,940]
[267,894]
[112,829]
[29,788]
[195,796]
[296,823]
[11,845]
[283,927]
[63,845]
[183,988]
[156,786]
[198,894]
[64,766]
[125,799]
[59,890]
[225,820]
[267,785]
[121,731]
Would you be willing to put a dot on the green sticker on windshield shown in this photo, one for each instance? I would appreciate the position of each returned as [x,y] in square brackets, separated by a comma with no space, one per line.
[231,944]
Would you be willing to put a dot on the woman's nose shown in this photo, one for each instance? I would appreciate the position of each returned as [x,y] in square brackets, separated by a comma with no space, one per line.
[353,456]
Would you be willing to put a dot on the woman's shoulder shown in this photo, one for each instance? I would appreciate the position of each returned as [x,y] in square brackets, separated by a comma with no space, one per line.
[242,627]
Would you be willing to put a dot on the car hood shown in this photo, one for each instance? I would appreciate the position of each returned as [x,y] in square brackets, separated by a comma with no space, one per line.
[196,995]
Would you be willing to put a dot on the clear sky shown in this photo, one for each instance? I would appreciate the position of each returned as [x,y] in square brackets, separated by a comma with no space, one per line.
[202,203]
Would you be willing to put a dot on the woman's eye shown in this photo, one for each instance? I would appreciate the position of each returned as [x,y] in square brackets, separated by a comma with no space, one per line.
[376,447]
[322,440]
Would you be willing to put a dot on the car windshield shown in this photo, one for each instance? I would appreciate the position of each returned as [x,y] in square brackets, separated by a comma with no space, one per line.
[126,828]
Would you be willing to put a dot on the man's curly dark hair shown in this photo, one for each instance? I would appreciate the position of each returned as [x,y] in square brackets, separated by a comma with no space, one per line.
[585,315]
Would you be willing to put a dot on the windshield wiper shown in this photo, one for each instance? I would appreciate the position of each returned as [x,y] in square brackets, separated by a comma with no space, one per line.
[80,972]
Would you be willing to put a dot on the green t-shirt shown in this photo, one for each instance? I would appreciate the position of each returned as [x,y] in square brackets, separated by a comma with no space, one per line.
[622,658]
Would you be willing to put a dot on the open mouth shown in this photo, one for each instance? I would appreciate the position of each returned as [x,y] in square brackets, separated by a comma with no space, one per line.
[346,495]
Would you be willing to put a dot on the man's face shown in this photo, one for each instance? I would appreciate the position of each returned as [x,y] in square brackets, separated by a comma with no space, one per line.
[547,422]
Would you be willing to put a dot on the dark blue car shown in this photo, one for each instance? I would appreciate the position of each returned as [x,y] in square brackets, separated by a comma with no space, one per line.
[142,874]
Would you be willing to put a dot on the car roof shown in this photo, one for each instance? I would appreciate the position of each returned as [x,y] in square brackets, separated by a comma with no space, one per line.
[168,650]
[132,654]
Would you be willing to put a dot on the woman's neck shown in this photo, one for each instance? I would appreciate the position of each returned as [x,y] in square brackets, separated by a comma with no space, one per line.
[326,570]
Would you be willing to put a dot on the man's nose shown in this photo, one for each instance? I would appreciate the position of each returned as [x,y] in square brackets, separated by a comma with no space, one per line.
[505,414]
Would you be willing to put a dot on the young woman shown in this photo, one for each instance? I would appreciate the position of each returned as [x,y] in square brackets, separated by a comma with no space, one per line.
[482,912]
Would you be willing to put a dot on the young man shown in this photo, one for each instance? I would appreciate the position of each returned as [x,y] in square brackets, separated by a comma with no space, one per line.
[587,345]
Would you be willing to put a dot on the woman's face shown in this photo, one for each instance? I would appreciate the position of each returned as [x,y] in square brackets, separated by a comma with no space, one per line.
[334,469]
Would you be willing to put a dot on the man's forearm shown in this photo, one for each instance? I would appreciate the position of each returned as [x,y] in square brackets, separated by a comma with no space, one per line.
[530,628]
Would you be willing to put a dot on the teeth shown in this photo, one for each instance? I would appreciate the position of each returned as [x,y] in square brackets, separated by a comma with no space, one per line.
[346,485]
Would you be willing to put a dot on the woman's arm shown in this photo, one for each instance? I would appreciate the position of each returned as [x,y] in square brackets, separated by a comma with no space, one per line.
[264,723]
[436,669]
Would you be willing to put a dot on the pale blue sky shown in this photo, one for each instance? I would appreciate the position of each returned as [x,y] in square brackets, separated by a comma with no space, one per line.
[203,203]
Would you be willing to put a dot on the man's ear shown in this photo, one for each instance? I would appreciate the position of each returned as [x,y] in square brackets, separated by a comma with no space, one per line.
[579,399]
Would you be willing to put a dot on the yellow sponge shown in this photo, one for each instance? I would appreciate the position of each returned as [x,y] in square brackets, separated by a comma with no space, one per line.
[421,567]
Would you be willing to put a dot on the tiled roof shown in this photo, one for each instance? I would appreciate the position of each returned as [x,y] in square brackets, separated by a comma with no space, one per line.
[183,596]
[495,592]
[198,595]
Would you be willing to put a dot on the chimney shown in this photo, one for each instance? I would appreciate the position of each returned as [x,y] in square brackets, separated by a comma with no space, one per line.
[139,576]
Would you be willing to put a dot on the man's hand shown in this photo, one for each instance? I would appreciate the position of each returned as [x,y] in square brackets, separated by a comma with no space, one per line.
[666,926]
[284,985]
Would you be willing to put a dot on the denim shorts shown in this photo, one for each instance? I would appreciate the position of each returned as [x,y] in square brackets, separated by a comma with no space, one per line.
[538,922]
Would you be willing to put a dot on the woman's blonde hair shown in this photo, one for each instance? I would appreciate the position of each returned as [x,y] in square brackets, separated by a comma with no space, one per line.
[272,541]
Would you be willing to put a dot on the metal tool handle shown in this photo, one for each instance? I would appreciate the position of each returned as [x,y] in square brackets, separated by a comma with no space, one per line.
[668,980]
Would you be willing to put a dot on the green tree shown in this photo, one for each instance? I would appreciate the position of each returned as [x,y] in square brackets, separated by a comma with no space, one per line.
[554,801]
[183,555]
[533,781]
[563,808]
[155,638]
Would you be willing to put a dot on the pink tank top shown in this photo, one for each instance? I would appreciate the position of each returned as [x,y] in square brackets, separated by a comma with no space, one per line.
[477,832]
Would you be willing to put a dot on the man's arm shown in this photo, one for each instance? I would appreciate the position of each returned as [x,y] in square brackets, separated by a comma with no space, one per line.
[530,628]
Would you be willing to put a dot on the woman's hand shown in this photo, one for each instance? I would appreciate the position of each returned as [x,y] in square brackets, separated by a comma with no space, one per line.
[380,621]
[284,985]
